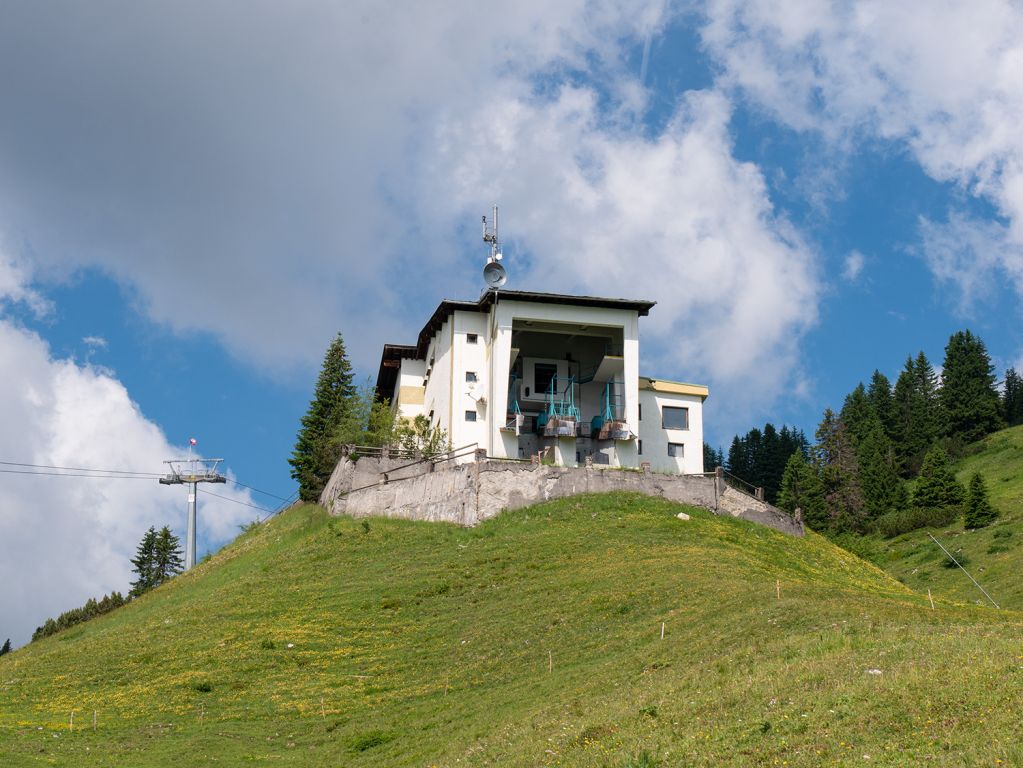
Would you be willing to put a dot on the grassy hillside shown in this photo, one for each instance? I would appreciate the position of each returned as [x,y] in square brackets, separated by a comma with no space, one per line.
[993,555]
[533,640]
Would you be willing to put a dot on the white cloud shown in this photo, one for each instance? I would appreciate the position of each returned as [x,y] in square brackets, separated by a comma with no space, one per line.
[673,217]
[15,282]
[237,171]
[945,80]
[853,266]
[969,254]
[66,539]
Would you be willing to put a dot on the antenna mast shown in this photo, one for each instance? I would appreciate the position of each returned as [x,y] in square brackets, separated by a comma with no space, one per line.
[493,273]
[192,471]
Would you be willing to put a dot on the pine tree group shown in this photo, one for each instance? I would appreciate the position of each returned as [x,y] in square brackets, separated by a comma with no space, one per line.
[853,480]
[157,560]
[6,647]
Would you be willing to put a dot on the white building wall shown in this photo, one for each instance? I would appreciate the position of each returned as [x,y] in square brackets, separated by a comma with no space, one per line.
[655,438]
[468,397]
[409,396]
[438,377]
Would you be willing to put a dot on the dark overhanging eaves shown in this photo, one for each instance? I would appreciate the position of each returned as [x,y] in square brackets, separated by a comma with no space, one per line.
[390,365]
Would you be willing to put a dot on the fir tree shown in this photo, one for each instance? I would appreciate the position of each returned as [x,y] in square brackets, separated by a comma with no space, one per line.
[6,647]
[916,418]
[1012,398]
[800,487]
[167,559]
[712,459]
[879,393]
[883,491]
[144,564]
[315,452]
[937,487]
[969,399]
[979,511]
[858,413]
[838,468]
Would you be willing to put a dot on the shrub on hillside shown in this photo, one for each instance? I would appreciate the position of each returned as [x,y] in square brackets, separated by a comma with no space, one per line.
[906,520]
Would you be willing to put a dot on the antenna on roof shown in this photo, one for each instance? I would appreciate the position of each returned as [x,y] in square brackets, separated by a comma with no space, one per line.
[493,273]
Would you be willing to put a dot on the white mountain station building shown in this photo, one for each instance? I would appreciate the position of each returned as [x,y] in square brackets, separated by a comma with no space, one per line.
[517,373]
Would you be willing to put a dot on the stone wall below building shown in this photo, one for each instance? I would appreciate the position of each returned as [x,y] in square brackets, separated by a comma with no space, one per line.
[469,493]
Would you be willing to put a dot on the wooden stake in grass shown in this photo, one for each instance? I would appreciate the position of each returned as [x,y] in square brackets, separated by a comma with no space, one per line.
[94,719]
[72,721]
[930,598]
[777,588]
[662,630]
[323,712]
[550,662]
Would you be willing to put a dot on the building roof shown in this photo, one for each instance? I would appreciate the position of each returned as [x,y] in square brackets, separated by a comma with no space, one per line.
[674,387]
[393,354]
[448,306]
[390,364]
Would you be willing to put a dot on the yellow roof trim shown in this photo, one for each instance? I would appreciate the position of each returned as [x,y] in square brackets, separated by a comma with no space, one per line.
[674,387]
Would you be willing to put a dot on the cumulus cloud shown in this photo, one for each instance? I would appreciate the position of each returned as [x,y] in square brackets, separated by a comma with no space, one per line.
[235,164]
[945,81]
[610,211]
[66,539]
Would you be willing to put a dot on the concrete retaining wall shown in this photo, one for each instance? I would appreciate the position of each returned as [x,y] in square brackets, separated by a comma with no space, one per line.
[467,494]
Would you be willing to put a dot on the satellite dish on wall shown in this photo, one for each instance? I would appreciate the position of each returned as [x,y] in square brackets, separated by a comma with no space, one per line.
[494,275]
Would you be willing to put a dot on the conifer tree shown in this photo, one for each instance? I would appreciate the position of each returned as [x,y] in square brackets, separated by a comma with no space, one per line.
[6,647]
[916,413]
[1012,398]
[879,392]
[969,399]
[316,453]
[858,413]
[937,487]
[979,511]
[167,556]
[144,564]
[800,487]
[838,468]
[883,491]
[712,459]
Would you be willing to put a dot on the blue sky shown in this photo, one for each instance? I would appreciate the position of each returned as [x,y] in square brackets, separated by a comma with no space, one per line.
[194,198]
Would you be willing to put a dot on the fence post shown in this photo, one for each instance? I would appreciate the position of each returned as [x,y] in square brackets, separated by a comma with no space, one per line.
[760,493]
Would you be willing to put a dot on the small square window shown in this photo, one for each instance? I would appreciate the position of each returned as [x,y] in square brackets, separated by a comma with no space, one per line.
[674,418]
[471,338]
[470,415]
[676,450]
[470,377]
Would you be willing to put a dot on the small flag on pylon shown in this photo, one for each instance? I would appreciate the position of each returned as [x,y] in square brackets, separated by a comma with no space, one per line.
[192,441]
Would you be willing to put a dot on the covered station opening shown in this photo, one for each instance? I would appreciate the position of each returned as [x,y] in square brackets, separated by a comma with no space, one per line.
[566,389]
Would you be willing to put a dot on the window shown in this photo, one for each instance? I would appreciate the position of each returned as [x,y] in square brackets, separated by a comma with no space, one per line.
[470,415]
[674,418]
[676,450]
[639,445]
[640,411]
[544,375]
[470,377]
[471,338]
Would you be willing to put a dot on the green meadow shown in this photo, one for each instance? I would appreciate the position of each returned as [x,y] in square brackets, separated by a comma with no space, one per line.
[594,631]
